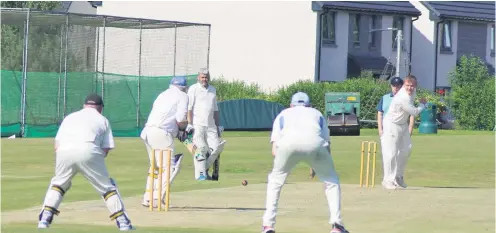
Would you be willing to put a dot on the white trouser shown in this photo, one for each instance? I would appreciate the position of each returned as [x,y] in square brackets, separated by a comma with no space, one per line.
[319,158]
[205,139]
[396,148]
[155,140]
[82,159]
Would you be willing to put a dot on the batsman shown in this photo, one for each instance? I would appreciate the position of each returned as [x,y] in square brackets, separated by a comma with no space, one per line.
[203,121]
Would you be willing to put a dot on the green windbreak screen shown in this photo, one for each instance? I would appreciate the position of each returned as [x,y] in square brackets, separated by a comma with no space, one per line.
[248,114]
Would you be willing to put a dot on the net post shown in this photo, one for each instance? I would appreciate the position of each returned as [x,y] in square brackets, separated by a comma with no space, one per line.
[139,74]
[60,73]
[103,58]
[175,49]
[208,48]
[97,47]
[25,75]
[65,62]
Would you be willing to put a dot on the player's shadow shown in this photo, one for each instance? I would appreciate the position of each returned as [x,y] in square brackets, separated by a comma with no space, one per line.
[450,187]
[199,208]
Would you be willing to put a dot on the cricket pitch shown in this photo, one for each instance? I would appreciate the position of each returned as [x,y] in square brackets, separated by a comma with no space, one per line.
[302,208]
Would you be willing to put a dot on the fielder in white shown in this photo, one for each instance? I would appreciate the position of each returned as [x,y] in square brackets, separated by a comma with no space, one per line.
[203,118]
[382,109]
[396,138]
[82,143]
[167,115]
[300,133]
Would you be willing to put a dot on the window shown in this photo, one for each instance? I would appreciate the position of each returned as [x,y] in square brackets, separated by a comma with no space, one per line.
[372,35]
[356,30]
[446,36]
[398,22]
[492,39]
[329,28]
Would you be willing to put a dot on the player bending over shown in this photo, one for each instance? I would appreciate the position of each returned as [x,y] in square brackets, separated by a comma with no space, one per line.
[81,145]
[301,133]
[168,113]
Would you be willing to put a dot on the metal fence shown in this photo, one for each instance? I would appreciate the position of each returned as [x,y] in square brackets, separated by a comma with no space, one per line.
[51,60]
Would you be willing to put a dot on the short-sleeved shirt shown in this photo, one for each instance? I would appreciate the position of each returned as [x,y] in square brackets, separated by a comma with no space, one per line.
[85,127]
[203,103]
[300,123]
[169,108]
[384,103]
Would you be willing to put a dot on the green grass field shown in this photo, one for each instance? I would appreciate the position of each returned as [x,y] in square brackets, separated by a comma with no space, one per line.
[450,177]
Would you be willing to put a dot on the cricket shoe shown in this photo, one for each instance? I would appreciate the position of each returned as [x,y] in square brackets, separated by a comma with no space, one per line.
[125,226]
[267,229]
[401,182]
[202,177]
[389,185]
[43,224]
[336,228]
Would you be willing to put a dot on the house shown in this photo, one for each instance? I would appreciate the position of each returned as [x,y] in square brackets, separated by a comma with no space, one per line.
[345,44]
[446,31]
[82,7]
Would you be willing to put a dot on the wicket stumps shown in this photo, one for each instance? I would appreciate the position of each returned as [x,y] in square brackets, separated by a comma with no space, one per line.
[369,150]
[159,176]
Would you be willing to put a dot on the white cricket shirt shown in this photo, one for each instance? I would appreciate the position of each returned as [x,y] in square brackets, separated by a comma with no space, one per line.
[401,108]
[203,103]
[85,127]
[300,123]
[169,108]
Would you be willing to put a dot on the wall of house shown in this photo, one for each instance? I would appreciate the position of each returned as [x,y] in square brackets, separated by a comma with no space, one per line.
[489,58]
[334,64]
[446,61]
[250,41]
[423,47]
[82,7]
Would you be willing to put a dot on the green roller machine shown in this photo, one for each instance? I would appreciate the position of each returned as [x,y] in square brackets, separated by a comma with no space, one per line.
[342,110]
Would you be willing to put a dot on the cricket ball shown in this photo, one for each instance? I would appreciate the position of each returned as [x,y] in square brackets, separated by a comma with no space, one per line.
[244,183]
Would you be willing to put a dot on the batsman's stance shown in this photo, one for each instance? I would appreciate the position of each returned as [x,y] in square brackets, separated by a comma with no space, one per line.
[203,118]
[81,145]
[167,116]
[300,133]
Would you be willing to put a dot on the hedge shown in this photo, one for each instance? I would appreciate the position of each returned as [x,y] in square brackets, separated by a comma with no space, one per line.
[471,100]
[371,90]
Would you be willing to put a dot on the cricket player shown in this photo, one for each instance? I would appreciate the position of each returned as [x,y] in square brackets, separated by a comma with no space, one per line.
[382,108]
[300,133]
[396,141]
[203,118]
[82,143]
[168,114]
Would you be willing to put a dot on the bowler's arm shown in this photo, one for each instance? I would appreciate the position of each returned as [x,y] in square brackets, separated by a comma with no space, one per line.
[410,109]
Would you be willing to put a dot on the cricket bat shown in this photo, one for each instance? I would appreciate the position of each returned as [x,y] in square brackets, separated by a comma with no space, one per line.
[187,140]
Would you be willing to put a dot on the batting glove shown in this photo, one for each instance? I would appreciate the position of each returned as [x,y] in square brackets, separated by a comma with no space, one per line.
[189,128]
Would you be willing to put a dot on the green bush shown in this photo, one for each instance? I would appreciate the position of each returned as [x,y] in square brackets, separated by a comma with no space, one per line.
[472,94]
[371,90]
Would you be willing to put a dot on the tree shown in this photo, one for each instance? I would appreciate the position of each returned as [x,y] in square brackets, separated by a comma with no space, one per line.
[46,43]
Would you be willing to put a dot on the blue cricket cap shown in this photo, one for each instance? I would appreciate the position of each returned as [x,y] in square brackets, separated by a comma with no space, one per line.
[300,98]
[396,81]
[179,81]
